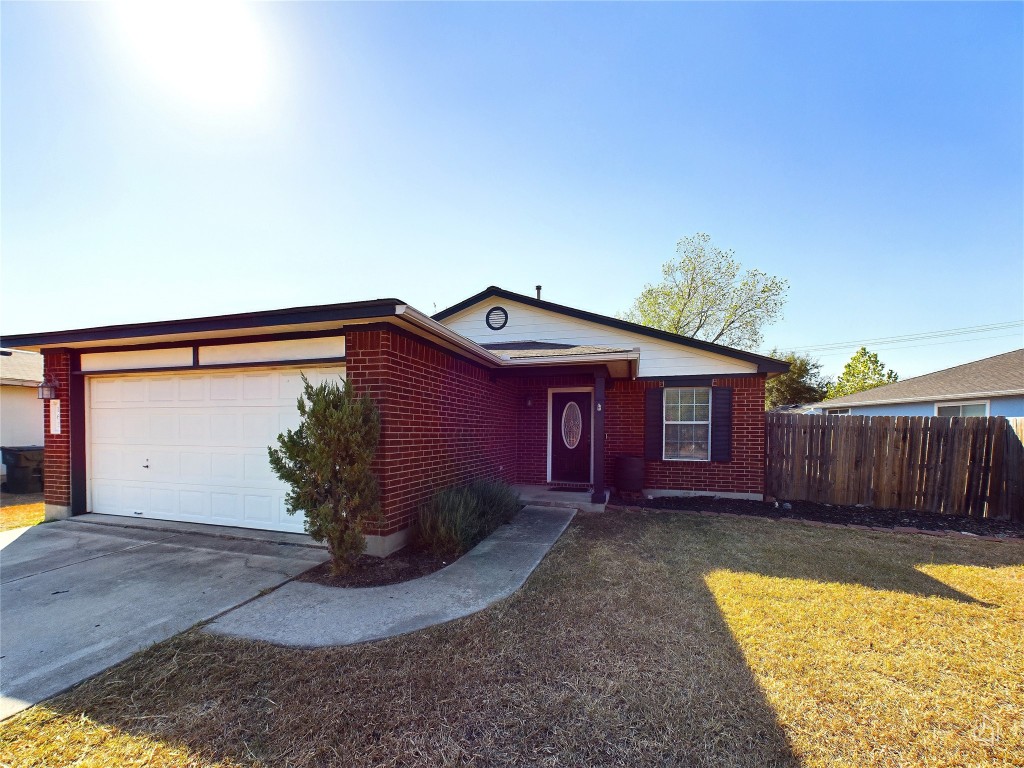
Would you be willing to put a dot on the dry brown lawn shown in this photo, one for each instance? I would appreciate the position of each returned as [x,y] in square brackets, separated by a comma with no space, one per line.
[21,515]
[643,639]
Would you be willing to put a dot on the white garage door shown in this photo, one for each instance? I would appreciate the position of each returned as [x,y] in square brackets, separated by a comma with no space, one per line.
[193,447]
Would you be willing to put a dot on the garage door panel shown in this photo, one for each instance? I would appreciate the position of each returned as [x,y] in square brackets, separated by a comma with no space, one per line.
[193,428]
[135,426]
[135,498]
[257,470]
[226,468]
[133,391]
[106,495]
[204,439]
[194,466]
[163,390]
[259,508]
[259,427]
[225,428]
[163,427]
[259,387]
[163,501]
[224,388]
[192,389]
[107,424]
[194,505]
[226,506]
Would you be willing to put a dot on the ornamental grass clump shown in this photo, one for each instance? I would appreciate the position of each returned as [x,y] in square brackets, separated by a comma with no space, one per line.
[326,461]
[456,518]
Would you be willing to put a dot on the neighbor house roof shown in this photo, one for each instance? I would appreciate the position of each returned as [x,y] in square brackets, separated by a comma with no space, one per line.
[764,364]
[996,376]
[19,368]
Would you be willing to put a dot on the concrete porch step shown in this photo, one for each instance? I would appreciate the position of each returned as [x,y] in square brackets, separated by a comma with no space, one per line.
[543,496]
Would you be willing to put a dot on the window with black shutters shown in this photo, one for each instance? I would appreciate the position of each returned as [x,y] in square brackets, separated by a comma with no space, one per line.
[687,432]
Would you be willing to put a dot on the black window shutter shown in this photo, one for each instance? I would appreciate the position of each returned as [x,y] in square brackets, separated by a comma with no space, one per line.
[721,423]
[654,423]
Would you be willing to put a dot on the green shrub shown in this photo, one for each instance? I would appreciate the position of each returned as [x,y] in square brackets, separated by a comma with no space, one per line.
[456,518]
[326,461]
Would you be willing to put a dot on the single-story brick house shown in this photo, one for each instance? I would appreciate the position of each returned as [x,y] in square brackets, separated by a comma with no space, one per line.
[172,420]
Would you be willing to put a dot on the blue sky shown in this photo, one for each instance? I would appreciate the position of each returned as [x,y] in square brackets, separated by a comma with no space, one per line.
[869,153]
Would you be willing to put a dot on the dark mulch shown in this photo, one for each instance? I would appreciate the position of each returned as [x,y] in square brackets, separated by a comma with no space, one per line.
[403,565]
[828,513]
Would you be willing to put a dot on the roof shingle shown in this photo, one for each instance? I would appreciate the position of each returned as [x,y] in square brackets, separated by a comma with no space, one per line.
[998,375]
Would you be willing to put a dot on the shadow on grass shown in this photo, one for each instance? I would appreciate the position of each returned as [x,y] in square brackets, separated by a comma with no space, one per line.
[614,653]
[878,560]
[610,655]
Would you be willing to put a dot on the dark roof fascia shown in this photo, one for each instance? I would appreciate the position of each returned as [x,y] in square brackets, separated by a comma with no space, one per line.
[293,316]
[764,364]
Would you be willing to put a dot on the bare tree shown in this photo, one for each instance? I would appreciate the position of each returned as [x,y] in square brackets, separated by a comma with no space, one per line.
[704,295]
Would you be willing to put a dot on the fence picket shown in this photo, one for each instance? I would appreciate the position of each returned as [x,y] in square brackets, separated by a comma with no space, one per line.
[961,466]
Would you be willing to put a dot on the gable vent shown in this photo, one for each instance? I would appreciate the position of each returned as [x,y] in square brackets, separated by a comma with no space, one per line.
[497,318]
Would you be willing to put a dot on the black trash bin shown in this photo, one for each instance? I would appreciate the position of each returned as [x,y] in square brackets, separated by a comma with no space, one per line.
[24,468]
[629,474]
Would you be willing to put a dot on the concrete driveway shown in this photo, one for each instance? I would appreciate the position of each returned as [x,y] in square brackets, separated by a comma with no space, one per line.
[76,597]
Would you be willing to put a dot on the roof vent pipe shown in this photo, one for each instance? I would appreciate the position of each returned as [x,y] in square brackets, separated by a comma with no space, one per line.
[538,292]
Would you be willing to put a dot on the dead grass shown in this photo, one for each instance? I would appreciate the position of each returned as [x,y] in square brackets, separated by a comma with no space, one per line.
[642,639]
[21,515]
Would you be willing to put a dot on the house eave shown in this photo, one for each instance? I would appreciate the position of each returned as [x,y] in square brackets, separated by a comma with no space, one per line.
[764,364]
[310,318]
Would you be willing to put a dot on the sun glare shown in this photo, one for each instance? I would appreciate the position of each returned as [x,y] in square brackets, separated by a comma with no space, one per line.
[212,55]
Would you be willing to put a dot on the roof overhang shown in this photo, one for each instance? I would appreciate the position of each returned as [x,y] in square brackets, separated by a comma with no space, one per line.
[296,319]
[296,322]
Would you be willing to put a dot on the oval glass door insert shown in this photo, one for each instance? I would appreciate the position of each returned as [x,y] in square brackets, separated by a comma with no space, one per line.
[572,425]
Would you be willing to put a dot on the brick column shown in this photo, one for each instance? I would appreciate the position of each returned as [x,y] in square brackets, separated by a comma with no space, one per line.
[598,497]
[57,437]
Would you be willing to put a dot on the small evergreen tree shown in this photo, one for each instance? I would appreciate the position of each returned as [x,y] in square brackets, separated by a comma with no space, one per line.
[326,461]
[863,371]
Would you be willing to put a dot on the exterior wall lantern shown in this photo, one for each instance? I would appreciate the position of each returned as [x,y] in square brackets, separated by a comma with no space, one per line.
[48,388]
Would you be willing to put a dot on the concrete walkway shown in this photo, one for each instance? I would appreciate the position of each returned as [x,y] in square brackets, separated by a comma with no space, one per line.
[304,615]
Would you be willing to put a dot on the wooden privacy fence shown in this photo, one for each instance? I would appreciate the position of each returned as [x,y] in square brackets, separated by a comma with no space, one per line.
[957,466]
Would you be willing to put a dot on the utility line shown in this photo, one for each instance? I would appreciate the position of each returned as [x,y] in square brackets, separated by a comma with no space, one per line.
[833,353]
[925,335]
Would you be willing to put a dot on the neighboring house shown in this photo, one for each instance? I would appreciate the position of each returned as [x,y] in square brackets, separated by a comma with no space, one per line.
[990,387]
[21,411]
[797,410]
[172,420]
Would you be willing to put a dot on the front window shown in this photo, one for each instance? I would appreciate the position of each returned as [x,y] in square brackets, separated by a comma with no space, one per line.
[687,424]
[838,411]
[962,409]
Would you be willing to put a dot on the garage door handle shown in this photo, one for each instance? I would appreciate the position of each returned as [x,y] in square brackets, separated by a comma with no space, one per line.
[146,465]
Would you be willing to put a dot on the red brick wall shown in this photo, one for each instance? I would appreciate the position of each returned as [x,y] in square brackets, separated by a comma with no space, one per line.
[57,459]
[444,420]
[624,427]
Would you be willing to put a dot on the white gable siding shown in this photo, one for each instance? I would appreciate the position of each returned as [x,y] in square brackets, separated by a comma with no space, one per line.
[525,323]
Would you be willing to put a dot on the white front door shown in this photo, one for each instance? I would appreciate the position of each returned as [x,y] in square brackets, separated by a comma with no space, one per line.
[193,446]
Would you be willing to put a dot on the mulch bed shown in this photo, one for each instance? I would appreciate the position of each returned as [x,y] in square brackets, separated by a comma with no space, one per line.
[405,564]
[858,516]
